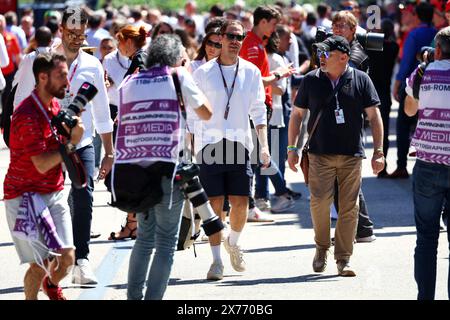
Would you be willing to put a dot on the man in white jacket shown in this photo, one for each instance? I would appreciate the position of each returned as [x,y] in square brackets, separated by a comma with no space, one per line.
[223,144]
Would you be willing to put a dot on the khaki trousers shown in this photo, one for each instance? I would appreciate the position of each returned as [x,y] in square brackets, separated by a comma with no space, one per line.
[323,170]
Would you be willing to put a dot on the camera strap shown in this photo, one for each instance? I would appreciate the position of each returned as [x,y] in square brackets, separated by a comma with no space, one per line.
[39,104]
[74,165]
[336,89]
[418,79]
[176,82]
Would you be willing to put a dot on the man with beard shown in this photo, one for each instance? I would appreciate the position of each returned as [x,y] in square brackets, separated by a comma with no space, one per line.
[35,167]
[84,67]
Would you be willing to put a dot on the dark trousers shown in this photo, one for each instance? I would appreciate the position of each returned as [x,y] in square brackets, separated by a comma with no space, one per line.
[80,203]
[365,225]
[5,94]
[385,110]
[431,188]
[405,126]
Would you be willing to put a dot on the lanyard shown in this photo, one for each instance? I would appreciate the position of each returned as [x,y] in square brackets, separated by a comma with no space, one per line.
[38,102]
[72,75]
[229,92]
[120,63]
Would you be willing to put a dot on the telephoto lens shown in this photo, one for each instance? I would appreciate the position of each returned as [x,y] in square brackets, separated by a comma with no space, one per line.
[85,94]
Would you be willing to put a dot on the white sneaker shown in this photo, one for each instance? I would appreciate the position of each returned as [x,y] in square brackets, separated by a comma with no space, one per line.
[282,204]
[366,239]
[215,271]
[262,204]
[236,256]
[255,215]
[83,274]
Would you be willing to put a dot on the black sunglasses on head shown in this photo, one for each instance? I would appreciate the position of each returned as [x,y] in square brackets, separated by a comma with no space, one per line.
[232,36]
[211,43]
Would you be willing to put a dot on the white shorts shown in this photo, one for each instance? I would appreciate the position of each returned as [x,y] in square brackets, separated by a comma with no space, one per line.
[59,210]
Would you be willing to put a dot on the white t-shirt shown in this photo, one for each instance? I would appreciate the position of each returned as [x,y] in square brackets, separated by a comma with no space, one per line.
[4,58]
[276,61]
[195,64]
[247,99]
[24,77]
[116,66]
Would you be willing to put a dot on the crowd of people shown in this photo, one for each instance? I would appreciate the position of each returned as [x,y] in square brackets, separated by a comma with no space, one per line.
[257,86]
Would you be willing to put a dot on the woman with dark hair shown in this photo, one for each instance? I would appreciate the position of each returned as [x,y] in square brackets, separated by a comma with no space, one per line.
[188,42]
[161,28]
[209,49]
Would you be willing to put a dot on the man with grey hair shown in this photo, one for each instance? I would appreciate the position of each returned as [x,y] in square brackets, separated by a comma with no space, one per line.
[159,140]
[431,184]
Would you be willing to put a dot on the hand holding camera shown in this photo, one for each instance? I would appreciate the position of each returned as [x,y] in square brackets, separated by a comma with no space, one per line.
[70,116]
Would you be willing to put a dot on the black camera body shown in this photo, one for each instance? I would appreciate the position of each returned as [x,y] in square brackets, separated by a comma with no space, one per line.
[370,41]
[430,54]
[85,94]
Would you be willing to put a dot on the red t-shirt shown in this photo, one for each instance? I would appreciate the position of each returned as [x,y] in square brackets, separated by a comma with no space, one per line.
[253,50]
[13,49]
[31,135]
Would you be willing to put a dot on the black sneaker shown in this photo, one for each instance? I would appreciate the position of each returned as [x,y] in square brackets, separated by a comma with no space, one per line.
[293,194]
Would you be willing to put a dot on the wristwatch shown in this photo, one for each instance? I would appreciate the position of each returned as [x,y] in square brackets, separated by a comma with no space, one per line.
[70,147]
[379,151]
[277,75]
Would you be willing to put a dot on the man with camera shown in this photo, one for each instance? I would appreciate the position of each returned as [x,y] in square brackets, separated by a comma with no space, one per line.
[418,37]
[149,100]
[35,167]
[431,184]
[84,67]
[336,148]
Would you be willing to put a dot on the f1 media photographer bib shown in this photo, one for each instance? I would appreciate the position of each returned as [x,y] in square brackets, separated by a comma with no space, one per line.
[148,145]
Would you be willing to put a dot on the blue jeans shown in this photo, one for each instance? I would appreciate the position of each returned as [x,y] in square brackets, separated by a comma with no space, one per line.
[80,203]
[431,186]
[157,229]
[98,149]
[277,178]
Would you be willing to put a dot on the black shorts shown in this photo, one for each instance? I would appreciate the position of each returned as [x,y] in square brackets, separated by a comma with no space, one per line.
[225,175]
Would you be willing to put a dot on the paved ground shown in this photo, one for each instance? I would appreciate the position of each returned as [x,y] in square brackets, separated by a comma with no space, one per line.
[278,254]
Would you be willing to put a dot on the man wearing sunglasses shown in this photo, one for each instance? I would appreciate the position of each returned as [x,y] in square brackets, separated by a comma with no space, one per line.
[336,147]
[266,19]
[84,67]
[223,144]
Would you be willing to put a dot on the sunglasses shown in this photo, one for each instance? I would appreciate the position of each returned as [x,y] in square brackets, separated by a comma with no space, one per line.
[72,36]
[232,36]
[321,53]
[216,45]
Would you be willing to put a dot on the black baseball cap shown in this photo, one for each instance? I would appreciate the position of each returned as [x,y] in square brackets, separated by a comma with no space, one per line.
[334,43]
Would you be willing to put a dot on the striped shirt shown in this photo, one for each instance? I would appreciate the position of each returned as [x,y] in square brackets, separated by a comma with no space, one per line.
[30,136]
[432,136]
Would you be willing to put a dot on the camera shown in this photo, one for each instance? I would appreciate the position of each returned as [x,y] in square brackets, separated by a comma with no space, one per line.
[426,54]
[369,41]
[187,176]
[85,94]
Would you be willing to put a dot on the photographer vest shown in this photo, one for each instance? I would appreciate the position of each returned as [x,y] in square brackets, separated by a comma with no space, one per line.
[148,140]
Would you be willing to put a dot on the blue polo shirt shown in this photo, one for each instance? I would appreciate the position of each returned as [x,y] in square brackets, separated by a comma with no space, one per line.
[421,36]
